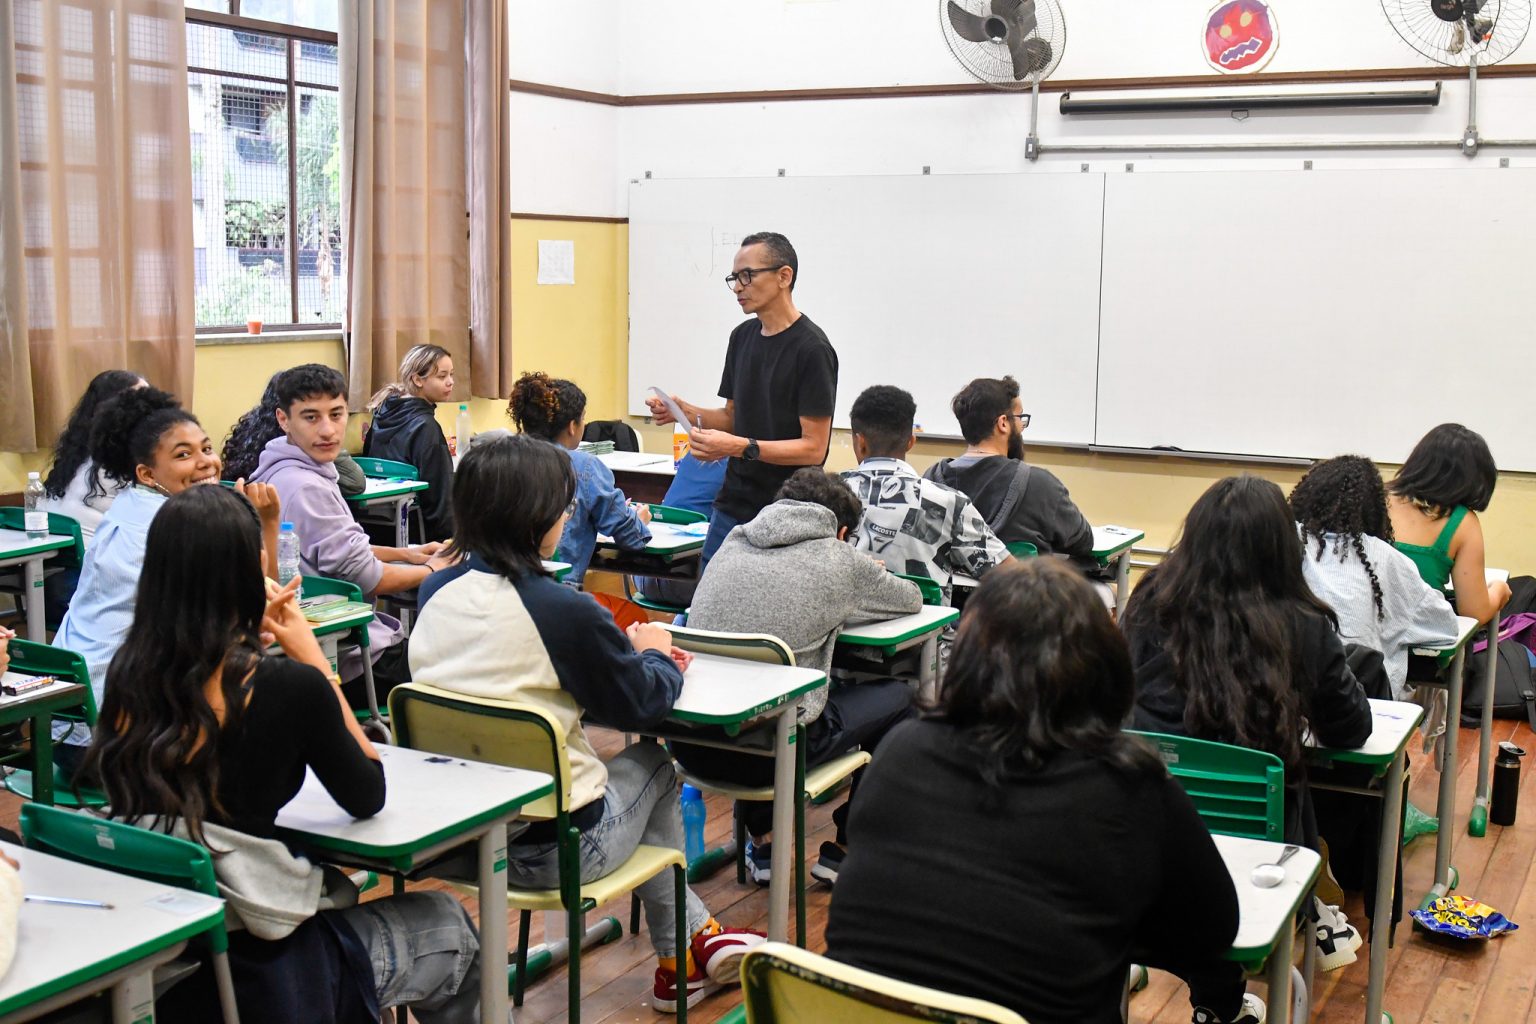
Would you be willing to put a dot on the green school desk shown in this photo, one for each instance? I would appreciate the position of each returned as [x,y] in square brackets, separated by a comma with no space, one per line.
[1112,546]
[1384,752]
[390,493]
[1477,821]
[642,476]
[67,953]
[433,804]
[39,706]
[892,636]
[1266,923]
[16,548]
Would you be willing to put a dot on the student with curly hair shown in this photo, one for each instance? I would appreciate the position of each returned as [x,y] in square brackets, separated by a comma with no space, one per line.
[144,442]
[1434,501]
[252,431]
[74,486]
[1095,857]
[556,410]
[1349,562]
[405,429]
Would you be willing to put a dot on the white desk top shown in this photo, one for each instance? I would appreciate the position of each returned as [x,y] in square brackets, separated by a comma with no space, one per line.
[1262,913]
[558,570]
[385,487]
[729,691]
[59,947]
[666,538]
[639,462]
[16,543]
[1465,627]
[430,798]
[1392,724]
[57,686]
[1489,576]
[1109,541]
[929,619]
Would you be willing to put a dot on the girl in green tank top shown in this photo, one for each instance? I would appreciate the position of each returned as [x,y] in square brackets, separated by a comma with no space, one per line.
[1434,560]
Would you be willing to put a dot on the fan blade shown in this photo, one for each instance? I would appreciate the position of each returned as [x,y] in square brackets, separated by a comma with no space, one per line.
[1030,56]
[968,26]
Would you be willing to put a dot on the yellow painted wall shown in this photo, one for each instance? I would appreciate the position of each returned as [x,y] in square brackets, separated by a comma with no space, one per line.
[581,332]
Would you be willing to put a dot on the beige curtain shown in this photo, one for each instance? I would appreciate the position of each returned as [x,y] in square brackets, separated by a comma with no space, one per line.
[96,265]
[404,219]
[490,233]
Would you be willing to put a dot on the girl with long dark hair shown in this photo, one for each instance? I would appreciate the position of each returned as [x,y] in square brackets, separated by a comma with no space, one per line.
[1078,852]
[202,733]
[74,485]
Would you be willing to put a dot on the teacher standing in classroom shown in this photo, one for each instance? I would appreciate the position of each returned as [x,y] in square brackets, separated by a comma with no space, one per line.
[779,386]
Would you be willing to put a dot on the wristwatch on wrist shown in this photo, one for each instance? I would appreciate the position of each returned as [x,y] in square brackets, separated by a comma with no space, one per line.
[752,451]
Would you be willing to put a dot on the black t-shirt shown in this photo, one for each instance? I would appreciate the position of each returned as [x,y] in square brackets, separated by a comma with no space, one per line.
[1066,873]
[292,721]
[773,381]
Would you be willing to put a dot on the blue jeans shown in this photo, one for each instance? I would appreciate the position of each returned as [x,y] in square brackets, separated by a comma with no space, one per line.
[424,953]
[639,807]
[720,524]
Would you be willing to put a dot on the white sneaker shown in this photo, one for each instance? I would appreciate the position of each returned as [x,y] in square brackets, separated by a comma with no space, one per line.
[1251,1013]
[1337,939]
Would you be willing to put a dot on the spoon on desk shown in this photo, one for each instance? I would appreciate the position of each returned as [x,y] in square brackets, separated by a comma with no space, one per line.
[1267,876]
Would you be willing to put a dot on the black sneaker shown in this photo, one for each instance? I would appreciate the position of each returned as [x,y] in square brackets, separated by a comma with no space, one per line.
[759,862]
[828,863]
[1251,1013]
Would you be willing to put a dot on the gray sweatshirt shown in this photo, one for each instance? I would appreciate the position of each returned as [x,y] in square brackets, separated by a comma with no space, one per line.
[785,573]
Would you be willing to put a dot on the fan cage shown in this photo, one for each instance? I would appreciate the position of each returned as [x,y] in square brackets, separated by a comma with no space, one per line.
[992,63]
[1450,43]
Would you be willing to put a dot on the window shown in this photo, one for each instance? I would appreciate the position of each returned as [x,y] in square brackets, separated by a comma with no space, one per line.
[266,162]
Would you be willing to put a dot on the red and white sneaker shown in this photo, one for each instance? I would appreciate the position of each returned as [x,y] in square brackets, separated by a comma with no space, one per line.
[720,954]
[664,990]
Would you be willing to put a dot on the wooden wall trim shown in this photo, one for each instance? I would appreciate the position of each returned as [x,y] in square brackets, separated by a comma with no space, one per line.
[1050,85]
[569,216]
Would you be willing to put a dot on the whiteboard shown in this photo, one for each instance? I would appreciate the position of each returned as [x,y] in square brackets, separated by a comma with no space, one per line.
[1311,313]
[925,282]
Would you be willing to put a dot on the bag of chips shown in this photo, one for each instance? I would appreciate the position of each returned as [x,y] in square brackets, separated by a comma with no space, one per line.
[1461,917]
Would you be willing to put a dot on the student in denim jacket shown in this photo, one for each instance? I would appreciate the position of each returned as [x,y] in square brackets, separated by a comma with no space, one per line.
[555,410]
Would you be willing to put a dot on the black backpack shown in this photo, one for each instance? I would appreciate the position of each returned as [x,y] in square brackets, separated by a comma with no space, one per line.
[1514,691]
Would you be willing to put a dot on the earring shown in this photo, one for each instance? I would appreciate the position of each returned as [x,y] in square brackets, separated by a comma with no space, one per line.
[161,488]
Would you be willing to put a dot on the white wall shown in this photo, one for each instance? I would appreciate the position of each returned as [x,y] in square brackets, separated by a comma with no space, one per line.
[577,158]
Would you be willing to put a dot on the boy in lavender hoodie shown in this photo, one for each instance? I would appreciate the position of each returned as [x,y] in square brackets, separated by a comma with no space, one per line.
[312,411]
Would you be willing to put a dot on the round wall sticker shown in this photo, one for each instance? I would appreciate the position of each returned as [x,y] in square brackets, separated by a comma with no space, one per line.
[1241,36]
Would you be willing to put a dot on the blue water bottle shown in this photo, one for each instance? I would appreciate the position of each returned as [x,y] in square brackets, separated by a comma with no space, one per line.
[692,804]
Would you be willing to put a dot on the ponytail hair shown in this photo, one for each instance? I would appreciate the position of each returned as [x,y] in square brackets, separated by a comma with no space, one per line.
[129,427]
[420,361]
[542,405]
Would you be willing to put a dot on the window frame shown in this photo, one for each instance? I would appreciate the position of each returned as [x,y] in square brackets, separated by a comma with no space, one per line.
[291,35]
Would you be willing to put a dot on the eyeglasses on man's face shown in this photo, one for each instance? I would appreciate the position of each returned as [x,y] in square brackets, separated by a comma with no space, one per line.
[1022,417]
[745,275]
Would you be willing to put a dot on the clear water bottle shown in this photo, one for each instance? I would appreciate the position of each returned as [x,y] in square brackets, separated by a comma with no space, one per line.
[287,554]
[692,803]
[463,430]
[35,517]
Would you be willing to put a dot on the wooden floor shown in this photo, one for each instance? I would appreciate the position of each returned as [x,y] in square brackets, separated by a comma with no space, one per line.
[1426,981]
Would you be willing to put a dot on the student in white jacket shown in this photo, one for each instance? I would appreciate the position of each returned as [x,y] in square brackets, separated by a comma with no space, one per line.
[1349,562]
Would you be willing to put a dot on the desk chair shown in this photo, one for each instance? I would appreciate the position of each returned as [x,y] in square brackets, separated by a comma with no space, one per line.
[13,517]
[932,592]
[388,469]
[812,784]
[128,850]
[43,660]
[624,437]
[1022,549]
[662,514]
[781,983]
[317,586]
[526,736]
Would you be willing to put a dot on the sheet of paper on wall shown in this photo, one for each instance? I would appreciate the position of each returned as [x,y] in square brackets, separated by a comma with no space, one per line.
[557,261]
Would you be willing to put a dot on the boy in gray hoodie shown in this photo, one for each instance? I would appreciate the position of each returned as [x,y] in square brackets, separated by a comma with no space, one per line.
[300,465]
[792,573]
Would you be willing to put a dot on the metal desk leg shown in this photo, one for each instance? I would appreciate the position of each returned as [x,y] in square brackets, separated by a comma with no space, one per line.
[1278,972]
[37,622]
[1386,875]
[784,798]
[928,670]
[1122,582]
[1477,821]
[493,921]
[402,522]
[1446,811]
[42,759]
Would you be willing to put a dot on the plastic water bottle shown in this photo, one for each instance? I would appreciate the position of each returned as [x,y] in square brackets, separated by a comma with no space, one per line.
[463,429]
[679,443]
[692,803]
[287,554]
[35,518]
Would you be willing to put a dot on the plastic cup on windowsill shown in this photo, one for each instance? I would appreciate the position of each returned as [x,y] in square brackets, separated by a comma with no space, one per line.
[253,326]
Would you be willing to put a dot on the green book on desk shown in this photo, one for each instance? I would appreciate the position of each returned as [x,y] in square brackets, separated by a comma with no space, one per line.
[336,610]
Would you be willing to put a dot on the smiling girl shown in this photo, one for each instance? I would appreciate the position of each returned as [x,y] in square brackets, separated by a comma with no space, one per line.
[405,429]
